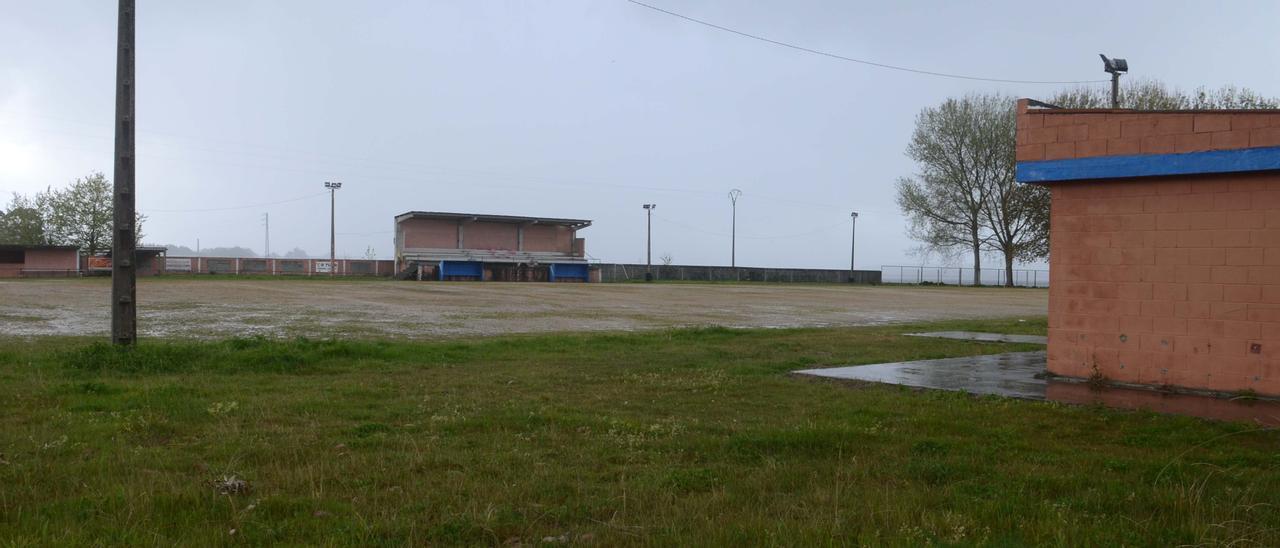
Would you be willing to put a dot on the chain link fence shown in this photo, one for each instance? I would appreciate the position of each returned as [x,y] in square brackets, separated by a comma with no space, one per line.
[959,275]
[620,272]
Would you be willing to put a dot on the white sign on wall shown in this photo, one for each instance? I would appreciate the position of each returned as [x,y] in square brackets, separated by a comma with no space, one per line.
[322,266]
[177,265]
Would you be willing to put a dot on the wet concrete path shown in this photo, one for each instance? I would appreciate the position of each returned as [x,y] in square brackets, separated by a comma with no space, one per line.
[984,337]
[1021,375]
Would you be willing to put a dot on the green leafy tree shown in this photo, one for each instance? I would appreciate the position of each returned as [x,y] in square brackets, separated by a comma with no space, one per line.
[22,222]
[81,214]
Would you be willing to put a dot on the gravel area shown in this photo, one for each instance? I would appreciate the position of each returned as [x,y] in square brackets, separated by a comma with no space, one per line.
[194,307]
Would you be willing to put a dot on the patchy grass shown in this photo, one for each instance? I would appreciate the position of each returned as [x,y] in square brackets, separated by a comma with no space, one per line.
[660,438]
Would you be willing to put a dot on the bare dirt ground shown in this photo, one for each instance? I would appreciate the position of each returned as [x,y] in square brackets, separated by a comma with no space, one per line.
[200,308]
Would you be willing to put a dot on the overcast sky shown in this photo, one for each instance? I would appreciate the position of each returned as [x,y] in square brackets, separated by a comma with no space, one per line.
[582,109]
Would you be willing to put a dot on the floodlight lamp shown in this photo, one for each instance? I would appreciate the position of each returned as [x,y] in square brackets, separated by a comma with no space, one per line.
[1114,66]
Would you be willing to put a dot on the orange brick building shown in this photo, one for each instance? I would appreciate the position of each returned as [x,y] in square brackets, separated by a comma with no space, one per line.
[470,246]
[1164,244]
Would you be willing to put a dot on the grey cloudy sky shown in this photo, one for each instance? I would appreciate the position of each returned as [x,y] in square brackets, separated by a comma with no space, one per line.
[559,108]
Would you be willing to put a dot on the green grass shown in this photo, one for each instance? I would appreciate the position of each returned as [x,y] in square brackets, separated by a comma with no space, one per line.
[683,437]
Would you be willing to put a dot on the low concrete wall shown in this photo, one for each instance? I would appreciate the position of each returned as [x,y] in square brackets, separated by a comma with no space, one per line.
[623,272]
[272,266]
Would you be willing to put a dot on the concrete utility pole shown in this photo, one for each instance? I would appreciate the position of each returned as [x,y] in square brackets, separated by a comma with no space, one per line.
[124,275]
[648,243]
[853,247]
[333,248]
[733,230]
[266,225]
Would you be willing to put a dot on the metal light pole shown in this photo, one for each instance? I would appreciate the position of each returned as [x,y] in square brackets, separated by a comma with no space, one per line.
[266,227]
[333,253]
[733,230]
[853,246]
[124,275]
[648,242]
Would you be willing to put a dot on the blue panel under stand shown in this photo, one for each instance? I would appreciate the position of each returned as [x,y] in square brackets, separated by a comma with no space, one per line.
[568,272]
[1150,165]
[466,269]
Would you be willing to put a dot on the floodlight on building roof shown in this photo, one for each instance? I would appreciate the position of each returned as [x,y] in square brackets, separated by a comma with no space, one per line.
[1114,65]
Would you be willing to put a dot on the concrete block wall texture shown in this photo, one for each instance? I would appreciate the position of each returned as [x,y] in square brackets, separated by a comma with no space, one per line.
[549,238]
[443,234]
[43,262]
[429,233]
[1166,281]
[1065,134]
[52,259]
[490,236]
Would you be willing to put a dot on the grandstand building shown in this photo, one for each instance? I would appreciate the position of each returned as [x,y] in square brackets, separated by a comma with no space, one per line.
[467,246]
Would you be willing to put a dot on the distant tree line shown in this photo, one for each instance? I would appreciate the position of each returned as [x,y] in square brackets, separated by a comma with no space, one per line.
[963,200]
[78,215]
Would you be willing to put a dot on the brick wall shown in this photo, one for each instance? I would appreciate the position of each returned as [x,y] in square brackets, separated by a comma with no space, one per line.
[1171,281]
[52,259]
[430,233]
[490,236]
[276,266]
[548,238]
[1065,134]
[1168,281]
[443,234]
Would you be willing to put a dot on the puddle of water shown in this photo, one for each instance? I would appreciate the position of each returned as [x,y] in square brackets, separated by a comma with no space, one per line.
[1265,412]
[1020,375]
[984,337]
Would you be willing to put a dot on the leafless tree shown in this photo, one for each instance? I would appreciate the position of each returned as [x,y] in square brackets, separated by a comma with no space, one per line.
[959,148]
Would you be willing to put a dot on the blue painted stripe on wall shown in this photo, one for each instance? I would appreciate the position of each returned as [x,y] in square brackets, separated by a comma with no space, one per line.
[1150,165]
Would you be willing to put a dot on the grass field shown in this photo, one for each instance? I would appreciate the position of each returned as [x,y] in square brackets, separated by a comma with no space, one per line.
[669,437]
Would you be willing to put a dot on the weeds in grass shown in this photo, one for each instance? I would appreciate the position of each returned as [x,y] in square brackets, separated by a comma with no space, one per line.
[1096,380]
[656,438]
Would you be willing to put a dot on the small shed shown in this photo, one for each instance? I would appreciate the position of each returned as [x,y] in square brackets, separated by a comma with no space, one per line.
[31,261]
[1164,244]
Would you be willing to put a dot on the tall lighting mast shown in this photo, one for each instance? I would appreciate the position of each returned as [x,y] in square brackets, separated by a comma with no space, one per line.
[648,242]
[333,248]
[733,228]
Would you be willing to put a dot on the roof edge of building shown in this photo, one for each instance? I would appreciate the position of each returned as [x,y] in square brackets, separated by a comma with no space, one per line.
[1209,162]
[493,218]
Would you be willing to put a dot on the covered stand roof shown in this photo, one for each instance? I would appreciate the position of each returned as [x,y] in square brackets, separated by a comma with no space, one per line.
[480,217]
[11,247]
